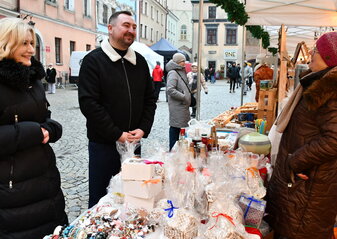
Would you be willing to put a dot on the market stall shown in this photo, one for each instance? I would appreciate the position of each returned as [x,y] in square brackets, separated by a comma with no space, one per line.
[185,194]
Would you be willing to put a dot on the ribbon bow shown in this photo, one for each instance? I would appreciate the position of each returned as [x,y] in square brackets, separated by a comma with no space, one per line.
[252,170]
[153,181]
[153,162]
[189,167]
[217,215]
[170,209]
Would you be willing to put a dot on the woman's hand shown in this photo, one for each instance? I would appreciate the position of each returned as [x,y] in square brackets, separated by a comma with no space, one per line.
[45,135]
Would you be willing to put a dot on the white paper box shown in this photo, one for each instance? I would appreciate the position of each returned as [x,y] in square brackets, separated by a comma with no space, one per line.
[142,189]
[136,169]
[136,202]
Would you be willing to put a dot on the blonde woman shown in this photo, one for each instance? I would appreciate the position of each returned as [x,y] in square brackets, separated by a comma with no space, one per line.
[31,200]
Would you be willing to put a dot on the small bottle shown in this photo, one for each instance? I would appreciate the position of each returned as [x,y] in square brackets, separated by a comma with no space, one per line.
[215,139]
[181,137]
[191,150]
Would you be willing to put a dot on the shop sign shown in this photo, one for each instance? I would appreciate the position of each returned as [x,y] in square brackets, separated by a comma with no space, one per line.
[230,54]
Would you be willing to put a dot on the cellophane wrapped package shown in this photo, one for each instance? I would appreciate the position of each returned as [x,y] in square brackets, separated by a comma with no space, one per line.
[253,209]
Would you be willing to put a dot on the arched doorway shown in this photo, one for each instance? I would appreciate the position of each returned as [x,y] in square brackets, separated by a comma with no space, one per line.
[38,48]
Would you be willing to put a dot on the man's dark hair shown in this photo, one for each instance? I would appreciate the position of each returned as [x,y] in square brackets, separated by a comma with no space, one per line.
[115,15]
[158,63]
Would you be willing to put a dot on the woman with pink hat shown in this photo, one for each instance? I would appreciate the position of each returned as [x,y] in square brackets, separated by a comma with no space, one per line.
[302,192]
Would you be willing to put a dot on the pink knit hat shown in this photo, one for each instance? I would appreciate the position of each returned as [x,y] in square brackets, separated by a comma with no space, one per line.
[327,48]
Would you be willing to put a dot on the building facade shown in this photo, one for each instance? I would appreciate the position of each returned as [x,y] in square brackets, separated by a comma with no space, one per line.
[8,8]
[59,28]
[182,9]
[171,28]
[221,39]
[104,9]
[152,21]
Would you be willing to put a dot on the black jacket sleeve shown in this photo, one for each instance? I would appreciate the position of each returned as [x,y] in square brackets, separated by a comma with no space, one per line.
[89,100]
[54,128]
[19,136]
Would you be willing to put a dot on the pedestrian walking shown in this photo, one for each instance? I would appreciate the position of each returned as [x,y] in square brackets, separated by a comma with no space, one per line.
[157,76]
[302,192]
[239,79]
[179,97]
[192,77]
[50,78]
[212,75]
[207,75]
[31,199]
[250,77]
[116,96]
[232,74]
[248,72]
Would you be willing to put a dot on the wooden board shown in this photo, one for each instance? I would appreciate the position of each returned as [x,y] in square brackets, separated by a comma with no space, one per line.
[282,83]
[267,99]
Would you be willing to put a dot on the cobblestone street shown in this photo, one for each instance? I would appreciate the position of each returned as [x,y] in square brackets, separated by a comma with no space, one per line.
[71,150]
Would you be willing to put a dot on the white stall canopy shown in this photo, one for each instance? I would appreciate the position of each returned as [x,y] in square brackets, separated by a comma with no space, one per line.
[292,12]
[150,56]
[305,20]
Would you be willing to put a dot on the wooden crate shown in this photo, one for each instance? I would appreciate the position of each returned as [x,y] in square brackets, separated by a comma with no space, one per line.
[267,99]
[268,115]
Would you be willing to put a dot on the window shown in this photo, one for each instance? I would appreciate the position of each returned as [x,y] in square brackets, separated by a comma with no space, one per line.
[231,34]
[113,10]
[157,34]
[141,30]
[69,4]
[161,19]
[87,9]
[105,14]
[212,12]
[145,32]
[88,47]
[145,8]
[211,36]
[57,50]
[183,32]
[72,46]
[152,12]
[157,16]
[151,34]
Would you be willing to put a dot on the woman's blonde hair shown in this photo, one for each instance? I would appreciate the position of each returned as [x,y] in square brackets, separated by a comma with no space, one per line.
[12,34]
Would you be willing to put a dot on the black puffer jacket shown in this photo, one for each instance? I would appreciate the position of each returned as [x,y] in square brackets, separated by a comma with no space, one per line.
[300,209]
[31,200]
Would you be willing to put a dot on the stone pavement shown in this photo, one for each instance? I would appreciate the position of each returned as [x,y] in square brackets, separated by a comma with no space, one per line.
[71,150]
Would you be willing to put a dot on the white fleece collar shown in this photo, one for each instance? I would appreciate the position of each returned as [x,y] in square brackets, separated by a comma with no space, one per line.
[114,56]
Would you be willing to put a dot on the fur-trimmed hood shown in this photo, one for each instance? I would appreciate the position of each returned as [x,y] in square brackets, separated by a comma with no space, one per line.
[19,76]
[322,90]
